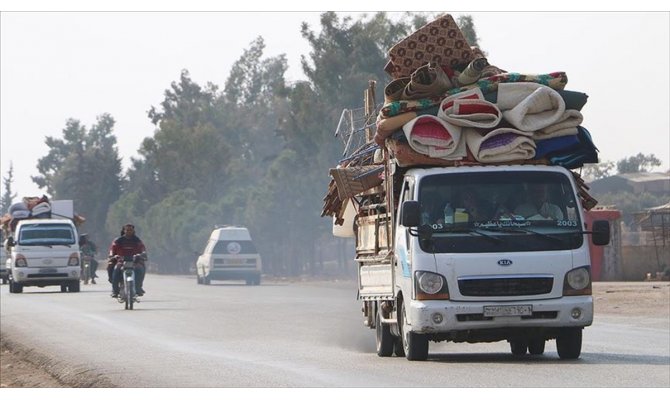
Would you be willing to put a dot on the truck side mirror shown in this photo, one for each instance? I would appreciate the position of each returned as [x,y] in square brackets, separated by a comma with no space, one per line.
[10,242]
[601,233]
[410,214]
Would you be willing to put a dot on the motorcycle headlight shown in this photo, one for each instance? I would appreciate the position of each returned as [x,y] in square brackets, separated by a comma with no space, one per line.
[430,286]
[577,282]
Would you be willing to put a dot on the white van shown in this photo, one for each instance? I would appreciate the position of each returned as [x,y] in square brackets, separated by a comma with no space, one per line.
[229,254]
[44,252]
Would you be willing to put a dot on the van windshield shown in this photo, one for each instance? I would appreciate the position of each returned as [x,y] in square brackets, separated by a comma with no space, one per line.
[500,211]
[46,234]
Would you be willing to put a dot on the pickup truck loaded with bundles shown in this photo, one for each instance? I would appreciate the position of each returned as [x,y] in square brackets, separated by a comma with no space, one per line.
[467,214]
[42,243]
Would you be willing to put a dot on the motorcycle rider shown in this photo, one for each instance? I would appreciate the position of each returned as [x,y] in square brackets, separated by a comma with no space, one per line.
[128,245]
[89,249]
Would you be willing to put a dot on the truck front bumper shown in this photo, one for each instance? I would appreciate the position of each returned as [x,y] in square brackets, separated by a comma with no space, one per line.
[439,316]
[45,276]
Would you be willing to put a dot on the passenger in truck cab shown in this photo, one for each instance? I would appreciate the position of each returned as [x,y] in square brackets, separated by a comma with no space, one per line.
[538,205]
[473,206]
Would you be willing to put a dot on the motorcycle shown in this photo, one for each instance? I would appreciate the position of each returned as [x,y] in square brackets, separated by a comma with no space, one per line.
[86,270]
[127,293]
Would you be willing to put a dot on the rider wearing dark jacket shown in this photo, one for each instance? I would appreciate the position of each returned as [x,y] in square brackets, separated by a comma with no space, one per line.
[127,246]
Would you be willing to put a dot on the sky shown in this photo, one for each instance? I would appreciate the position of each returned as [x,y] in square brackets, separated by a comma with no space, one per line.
[74,64]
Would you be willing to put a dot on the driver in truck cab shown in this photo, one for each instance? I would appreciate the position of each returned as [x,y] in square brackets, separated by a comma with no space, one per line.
[127,246]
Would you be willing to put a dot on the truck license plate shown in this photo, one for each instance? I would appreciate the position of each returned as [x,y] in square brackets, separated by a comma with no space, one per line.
[48,270]
[508,311]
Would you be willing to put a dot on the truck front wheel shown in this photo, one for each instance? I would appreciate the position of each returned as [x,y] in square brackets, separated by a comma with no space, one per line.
[15,287]
[414,344]
[569,343]
[384,337]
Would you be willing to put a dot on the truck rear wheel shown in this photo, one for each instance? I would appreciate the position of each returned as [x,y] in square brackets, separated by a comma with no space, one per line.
[518,347]
[384,337]
[398,349]
[536,346]
[569,343]
[414,344]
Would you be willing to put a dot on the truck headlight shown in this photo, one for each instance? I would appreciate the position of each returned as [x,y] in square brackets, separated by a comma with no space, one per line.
[430,286]
[577,282]
[21,261]
[73,261]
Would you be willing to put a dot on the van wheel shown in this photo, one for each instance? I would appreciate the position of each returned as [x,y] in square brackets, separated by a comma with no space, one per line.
[63,288]
[569,343]
[257,280]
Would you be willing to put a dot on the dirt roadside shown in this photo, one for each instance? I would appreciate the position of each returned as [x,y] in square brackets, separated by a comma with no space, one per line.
[25,368]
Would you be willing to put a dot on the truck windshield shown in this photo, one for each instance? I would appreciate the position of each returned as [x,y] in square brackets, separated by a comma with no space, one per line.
[499,211]
[46,234]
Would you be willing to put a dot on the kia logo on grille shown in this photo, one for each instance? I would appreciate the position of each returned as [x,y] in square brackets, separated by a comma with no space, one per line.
[504,263]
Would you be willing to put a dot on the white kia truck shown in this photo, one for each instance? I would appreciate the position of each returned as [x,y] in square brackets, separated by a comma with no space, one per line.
[44,252]
[476,254]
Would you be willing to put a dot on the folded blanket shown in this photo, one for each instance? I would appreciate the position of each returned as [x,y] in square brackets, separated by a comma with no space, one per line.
[583,153]
[529,106]
[405,156]
[573,100]
[502,144]
[566,125]
[429,80]
[393,91]
[434,137]
[553,146]
[386,126]
[554,80]
[469,109]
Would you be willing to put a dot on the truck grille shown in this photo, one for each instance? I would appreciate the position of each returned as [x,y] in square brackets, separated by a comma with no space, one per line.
[505,286]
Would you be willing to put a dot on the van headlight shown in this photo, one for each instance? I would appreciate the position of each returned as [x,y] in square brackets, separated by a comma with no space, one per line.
[430,286]
[577,282]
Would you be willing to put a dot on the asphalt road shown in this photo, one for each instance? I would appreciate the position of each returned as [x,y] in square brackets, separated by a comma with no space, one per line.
[306,334]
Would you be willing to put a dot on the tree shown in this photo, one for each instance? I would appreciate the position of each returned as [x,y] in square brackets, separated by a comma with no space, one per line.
[7,196]
[467,26]
[591,172]
[637,163]
[83,166]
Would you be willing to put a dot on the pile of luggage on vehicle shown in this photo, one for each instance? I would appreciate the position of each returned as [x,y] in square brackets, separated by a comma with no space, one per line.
[448,106]
[31,207]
